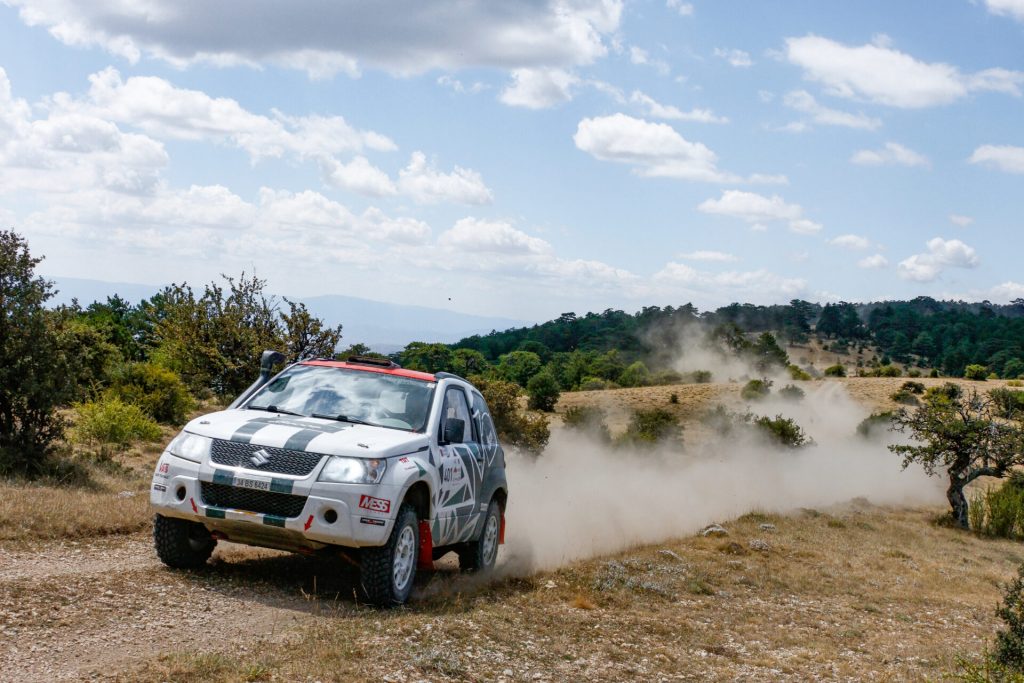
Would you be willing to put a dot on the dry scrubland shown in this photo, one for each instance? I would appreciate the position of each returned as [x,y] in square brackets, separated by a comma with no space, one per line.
[854,592]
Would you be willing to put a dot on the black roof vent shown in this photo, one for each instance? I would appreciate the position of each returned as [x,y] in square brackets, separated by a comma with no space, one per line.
[376,362]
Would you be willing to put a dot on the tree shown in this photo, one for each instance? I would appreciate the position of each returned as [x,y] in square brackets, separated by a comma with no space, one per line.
[36,363]
[466,362]
[767,353]
[543,391]
[519,366]
[426,357]
[960,434]
[636,375]
[306,336]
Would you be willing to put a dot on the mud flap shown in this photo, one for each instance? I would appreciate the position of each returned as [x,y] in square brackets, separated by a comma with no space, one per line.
[501,531]
[426,558]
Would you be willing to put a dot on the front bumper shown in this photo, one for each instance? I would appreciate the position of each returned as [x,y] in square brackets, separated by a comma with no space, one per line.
[330,515]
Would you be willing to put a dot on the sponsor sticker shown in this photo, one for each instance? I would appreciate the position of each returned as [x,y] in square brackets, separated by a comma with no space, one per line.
[371,521]
[159,487]
[374,504]
[409,464]
[164,468]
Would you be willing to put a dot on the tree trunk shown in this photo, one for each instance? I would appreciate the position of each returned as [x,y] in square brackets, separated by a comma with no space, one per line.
[958,501]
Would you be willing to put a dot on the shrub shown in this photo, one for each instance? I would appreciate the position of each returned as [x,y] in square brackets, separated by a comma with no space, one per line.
[529,432]
[913,387]
[543,391]
[110,422]
[889,371]
[791,392]
[668,377]
[835,371]
[652,427]
[934,373]
[905,397]
[589,419]
[874,424]
[635,375]
[158,391]
[1009,649]
[756,389]
[913,372]
[782,430]
[699,377]
[1015,383]
[673,398]
[795,373]
[1008,403]
[594,384]
[975,372]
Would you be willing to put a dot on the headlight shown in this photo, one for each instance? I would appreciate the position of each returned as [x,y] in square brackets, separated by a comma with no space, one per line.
[190,446]
[353,470]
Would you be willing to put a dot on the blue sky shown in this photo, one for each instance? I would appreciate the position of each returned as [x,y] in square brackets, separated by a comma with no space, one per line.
[522,159]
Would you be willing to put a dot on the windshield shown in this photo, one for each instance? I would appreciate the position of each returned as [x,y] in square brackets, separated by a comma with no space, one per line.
[357,396]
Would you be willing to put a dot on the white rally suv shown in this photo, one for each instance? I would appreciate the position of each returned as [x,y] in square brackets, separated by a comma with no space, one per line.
[392,467]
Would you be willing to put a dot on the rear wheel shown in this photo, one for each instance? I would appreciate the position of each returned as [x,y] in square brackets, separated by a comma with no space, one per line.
[182,544]
[480,555]
[387,572]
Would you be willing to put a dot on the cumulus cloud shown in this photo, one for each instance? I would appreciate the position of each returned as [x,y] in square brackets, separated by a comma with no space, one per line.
[1002,157]
[496,237]
[892,153]
[737,58]
[539,88]
[1009,8]
[642,57]
[684,9]
[1007,292]
[710,256]
[653,149]
[757,210]
[399,36]
[803,101]
[873,262]
[767,285]
[855,242]
[426,185]
[669,112]
[941,254]
[878,73]
[960,220]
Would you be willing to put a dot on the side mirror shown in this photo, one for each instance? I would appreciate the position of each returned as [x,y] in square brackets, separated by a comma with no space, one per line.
[267,362]
[454,430]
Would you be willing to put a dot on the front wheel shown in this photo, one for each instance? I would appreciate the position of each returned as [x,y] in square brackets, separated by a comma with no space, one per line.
[182,544]
[387,572]
[480,555]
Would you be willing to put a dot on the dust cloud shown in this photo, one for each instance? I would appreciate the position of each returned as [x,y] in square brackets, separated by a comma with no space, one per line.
[581,499]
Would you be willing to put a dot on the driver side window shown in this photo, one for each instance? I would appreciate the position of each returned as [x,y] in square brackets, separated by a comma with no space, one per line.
[455,406]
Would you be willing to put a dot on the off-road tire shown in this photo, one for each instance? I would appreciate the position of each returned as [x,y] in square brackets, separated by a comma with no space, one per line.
[182,544]
[479,555]
[377,565]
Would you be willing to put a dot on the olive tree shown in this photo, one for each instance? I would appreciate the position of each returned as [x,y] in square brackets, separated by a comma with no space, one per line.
[960,434]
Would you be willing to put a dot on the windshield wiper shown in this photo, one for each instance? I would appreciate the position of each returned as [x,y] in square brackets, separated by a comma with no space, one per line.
[344,418]
[275,409]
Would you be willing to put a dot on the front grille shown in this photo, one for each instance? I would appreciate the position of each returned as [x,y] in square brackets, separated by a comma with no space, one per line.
[280,460]
[265,502]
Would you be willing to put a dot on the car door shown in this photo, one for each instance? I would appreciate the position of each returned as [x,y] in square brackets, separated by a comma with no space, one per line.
[461,472]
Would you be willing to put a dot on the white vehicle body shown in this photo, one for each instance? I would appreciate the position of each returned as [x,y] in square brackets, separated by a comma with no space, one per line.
[258,477]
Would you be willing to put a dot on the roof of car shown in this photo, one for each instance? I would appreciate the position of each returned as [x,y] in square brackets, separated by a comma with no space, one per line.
[398,372]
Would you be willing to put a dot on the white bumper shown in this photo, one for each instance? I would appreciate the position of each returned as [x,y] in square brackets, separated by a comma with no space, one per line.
[330,513]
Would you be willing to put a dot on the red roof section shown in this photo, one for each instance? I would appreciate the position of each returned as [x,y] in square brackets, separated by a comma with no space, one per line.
[399,372]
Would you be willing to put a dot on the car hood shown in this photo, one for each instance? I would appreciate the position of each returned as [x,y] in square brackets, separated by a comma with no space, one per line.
[310,434]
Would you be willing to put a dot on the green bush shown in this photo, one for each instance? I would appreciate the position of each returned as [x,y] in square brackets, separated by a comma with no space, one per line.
[543,391]
[669,377]
[888,371]
[934,373]
[791,392]
[110,422]
[913,372]
[158,391]
[999,511]
[782,430]
[796,373]
[699,377]
[652,427]
[905,397]
[1008,403]
[913,387]
[673,398]
[835,371]
[594,384]
[1015,383]
[978,373]
[756,389]
[529,432]
[635,375]
[588,419]
[1009,649]
[874,424]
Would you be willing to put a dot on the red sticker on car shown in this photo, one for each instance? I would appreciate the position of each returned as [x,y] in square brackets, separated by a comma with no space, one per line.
[375,504]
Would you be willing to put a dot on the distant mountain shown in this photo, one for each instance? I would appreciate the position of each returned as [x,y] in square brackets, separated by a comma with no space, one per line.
[383,326]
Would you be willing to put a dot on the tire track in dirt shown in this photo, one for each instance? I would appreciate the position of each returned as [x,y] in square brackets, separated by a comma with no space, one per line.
[91,610]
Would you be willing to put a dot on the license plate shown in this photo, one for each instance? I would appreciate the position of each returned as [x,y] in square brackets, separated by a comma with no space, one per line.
[252,484]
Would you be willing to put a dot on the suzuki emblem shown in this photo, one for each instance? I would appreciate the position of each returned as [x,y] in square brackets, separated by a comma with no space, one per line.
[260,458]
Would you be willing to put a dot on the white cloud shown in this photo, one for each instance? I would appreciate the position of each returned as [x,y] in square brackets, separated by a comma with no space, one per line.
[683,8]
[757,210]
[960,221]
[941,254]
[766,285]
[460,87]
[878,73]
[539,88]
[400,37]
[663,111]
[654,149]
[1002,157]
[873,262]
[855,242]
[1009,8]
[892,153]
[803,101]
[709,256]
[495,237]
[737,58]
[1007,292]
[641,57]
[358,175]
[426,185]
